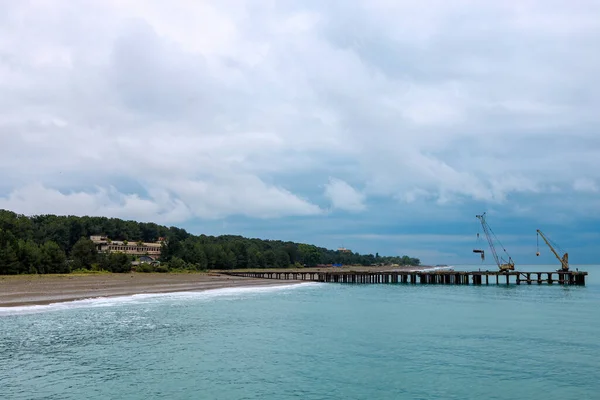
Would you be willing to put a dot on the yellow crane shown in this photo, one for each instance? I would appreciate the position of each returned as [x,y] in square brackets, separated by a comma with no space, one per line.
[503,265]
[564,260]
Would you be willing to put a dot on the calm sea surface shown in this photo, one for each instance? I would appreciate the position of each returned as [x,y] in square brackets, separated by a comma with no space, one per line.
[313,341]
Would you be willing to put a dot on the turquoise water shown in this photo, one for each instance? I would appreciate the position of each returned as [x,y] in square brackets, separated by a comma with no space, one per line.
[313,341]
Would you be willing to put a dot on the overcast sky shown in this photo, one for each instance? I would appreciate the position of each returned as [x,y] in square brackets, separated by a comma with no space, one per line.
[382,126]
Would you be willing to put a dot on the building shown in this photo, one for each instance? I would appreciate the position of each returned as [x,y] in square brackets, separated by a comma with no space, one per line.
[344,250]
[105,245]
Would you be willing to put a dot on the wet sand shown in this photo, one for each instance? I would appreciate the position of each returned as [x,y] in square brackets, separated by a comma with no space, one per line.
[45,289]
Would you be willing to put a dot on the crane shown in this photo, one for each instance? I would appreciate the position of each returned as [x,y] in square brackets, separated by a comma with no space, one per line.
[502,264]
[564,260]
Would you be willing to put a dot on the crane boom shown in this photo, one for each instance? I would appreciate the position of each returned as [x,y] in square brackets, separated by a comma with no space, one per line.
[488,237]
[510,265]
[564,260]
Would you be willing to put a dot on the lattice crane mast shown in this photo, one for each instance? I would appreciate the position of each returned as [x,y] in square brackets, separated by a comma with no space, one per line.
[502,264]
[564,260]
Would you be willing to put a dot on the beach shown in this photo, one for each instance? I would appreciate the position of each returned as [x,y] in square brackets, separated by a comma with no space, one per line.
[20,290]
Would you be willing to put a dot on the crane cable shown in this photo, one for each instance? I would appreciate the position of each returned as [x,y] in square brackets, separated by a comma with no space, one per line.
[552,243]
[499,242]
[478,245]
[556,246]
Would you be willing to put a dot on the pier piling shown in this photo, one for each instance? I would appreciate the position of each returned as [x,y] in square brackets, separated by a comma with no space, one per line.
[412,277]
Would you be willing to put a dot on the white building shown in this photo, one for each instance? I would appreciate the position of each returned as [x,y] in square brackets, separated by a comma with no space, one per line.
[106,245]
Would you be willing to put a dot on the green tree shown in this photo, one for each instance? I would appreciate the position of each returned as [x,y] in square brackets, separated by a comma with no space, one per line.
[53,259]
[84,253]
[270,259]
[231,260]
[30,256]
[201,260]
[115,262]
[240,252]
[309,255]
[254,257]
[177,263]
[282,258]
[9,262]
[21,234]
[292,250]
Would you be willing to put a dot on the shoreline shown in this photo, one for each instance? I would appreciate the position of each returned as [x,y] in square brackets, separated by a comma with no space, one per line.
[32,290]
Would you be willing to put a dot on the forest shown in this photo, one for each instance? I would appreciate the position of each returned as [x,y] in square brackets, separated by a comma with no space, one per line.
[46,244]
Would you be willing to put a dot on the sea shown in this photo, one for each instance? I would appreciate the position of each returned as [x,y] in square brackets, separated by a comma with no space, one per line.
[311,341]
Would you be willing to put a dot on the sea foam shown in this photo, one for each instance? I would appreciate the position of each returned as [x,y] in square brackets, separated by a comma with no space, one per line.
[140,298]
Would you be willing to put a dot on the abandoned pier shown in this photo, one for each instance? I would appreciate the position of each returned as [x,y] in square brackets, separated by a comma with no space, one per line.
[421,277]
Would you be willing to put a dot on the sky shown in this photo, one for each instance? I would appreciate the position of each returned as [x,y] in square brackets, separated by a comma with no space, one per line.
[380,126]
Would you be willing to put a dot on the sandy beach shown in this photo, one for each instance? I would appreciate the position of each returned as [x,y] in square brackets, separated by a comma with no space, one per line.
[22,290]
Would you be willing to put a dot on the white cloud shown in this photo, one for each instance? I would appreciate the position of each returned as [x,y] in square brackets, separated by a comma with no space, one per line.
[171,202]
[343,196]
[412,195]
[585,185]
[239,195]
[217,104]
[36,199]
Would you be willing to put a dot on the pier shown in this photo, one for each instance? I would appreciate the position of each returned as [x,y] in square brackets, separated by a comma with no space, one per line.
[425,277]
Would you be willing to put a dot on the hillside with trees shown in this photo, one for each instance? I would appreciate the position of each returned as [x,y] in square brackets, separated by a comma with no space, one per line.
[46,244]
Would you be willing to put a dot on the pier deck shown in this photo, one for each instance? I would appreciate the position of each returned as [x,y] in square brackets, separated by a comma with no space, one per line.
[421,277]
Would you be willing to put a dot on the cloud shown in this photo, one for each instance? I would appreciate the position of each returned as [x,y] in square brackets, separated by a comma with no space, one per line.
[218,109]
[36,199]
[343,196]
[585,185]
[172,202]
[240,195]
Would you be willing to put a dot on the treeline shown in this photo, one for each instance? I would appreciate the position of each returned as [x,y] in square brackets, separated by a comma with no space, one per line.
[60,244]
